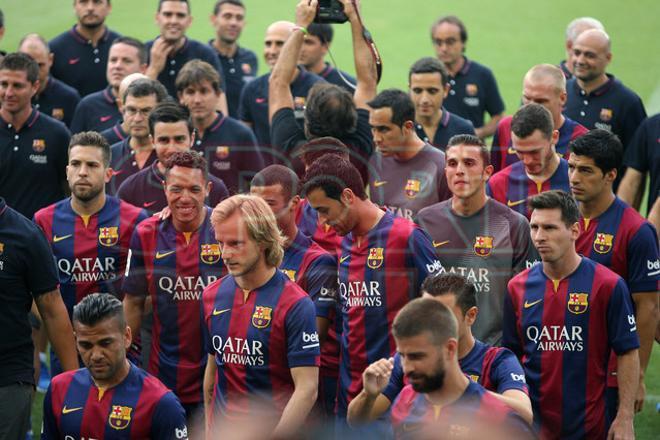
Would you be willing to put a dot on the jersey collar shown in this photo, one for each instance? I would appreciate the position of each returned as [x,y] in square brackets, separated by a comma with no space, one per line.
[109,96]
[83,40]
[600,90]
[3,206]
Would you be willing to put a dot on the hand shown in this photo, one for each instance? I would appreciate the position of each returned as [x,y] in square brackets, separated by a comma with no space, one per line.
[160,50]
[621,429]
[376,377]
[305,12]
[350,8]
[164,214]
[641,395]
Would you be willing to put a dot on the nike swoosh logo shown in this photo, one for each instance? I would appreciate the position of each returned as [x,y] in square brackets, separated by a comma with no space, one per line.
[260,100]
[342,259]
[148,204]
[532,304]
[73,61]
[442,243]
[379,183]
[116,173]
[66,410]
[163,255]
[220,312]
[105,118]
[511,150]
[511,204]
[57,239]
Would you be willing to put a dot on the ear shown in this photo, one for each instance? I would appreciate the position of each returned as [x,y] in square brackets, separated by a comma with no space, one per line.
[451,347]
[108,175]
[293,203]
[471,315]
[488,171]
[209,185]
[555,137]
[347,197]
[575,231]
[128,337]
[563,97]
[446,92]
[610,176]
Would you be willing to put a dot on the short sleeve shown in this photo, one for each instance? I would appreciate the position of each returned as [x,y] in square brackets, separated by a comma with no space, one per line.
[39,254]
[135,281]
[524,253]
[303,346]
[621,325]
[633,115]
[244,113]
[494,102]
[422,256]
[169,419]
[637,153]
[506,372]
[643,263]
[395,384]
[285,132]
[322,284]
[510,337]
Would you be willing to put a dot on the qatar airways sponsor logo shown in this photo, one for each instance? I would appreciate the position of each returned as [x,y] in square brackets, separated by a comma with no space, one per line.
[556,337]
[401,212]
[360,294]
[88,270]
[188,288]
[239,351]
[479,276]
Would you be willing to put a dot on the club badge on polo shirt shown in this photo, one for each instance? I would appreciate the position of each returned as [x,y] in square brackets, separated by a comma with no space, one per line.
[606,114]
[471,89]
[120,416]
[219,162]
[603,242]
[58,113]
[578,303]
[299,107]
[39,147]
[246,68]
[210,253]
[483,245]
[109,236]
[375,258]
[2,250]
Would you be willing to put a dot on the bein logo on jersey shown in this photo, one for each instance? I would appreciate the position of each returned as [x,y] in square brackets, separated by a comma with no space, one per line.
[653,266]
[436,266]
[182,433]
[518,377]
[120,416]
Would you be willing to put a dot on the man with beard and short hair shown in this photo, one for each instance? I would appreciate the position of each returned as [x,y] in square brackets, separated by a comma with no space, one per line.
[312,56]
[81,53]
[573,30]
[54,98]
[239,64]
[89,232]
[78,402]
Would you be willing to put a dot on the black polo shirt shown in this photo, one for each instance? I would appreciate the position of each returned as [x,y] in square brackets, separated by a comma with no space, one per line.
[97,112]
[254,102]
[643,154]
[78,63]
[27,270]
[191,50]
[473,92]
[114,134]
[331,75]
[33,163]
[236,72]
[58,100]
[564,69]
[123,164]
[145,190]
[448,126]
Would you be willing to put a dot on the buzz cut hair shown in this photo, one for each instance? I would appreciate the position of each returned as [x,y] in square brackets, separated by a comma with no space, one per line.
[425,315]
[34,37]
[541,72]
[278,175]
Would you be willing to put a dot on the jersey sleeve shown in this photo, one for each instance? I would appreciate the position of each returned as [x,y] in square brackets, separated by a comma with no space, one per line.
[510,336]
[135,281]
[636,155]
[303,346]
[49,428]
[395,384]
[244,113]
[524,252]
[39,255]
[322,284]
[621,325]
[506,372]
[633,116]
[169,419]
[423,257]
[643,263]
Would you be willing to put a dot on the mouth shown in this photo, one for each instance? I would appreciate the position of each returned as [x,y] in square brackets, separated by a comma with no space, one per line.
[186,210]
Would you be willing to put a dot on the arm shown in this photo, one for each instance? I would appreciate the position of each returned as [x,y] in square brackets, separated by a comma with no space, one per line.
[371,403]
[365,67]
[628,377]
[654,215]
[519,402]
[208,387]
[58,327]
[306,383]
[489,127]
[49,428]
[631,187]
[646,315]
[158,54]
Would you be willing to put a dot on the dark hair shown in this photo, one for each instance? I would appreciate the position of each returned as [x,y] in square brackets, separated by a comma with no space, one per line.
[169,113]
[430,65]
[278,175]
[146,87]
[602,146]
[451,19]
[403,108]
[330,111]
[21,62]
[470,140]
[454,284]
[37,37]
[187,159]
[143,55]
[532,117]
[2,19]
[219,4]
[333,174]
[557,199]
[160,3]
[92,139]
[98,307]
[322,31]
[318,147]
[425,315]
[194,72]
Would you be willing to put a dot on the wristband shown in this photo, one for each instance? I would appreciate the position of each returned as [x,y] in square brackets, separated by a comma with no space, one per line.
[301,29]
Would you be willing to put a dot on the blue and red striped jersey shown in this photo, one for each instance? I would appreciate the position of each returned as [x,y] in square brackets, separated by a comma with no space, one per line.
[307,220]
[138,407]
[91,252]
[502,153]
[563,332]
[378,275]
[173,268]
[256,341]
[512,187]
[473,415]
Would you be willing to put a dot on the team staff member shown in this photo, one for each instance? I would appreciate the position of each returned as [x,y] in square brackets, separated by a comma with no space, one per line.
[473,89]
[312,56]
[239,64]
[476,236]
[89,232]
[573,30]
[259,326]
[110,397]
[616,236]
[562,318]
[494,368]
[27,273]
[539,169]
[382,262]
[118,132]
[406,173]
[228,145]
[171,131]
[172,261]
[100,110]
[33,153]
[54,98]
[81,54]
[543,84]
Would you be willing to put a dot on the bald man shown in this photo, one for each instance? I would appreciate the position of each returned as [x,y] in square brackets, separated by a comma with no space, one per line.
[573,30]
[543,84]
[54,98]
[253,108]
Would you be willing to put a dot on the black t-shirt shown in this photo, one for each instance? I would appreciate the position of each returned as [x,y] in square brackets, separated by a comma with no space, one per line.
[643,154]
[27,270]
[333,76]
[237,71]
[58,100]
[97,112]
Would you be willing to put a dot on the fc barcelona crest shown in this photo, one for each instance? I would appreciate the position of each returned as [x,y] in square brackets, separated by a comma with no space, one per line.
[109,236]
[39,145]
[261,316]
[222,152]
[603,243]
[375,258]
[210,253]
[58,113]
[2,248]
[605,114]
[412,188]
[578,302]
[290,273]
[483,245]
[471,89]
[120,416]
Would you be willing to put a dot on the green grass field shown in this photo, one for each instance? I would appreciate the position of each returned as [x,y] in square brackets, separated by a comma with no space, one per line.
[508,36]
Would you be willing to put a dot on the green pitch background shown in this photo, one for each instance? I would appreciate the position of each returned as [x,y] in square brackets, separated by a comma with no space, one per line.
[508,36]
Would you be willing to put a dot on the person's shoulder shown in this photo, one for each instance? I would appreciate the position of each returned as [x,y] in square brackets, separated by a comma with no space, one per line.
[480,68]
[603,275]
[308,79]
[499,209]
[624,91]
[244,52]
[236,126]
[460,122]
[200,48]
[433,211]
[64,89]
[505,123]
[126,208]
[52,124]
[92,98]
[64,379]
[61,40]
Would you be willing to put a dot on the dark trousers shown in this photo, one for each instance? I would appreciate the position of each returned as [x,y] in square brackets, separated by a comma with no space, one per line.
[15,407]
